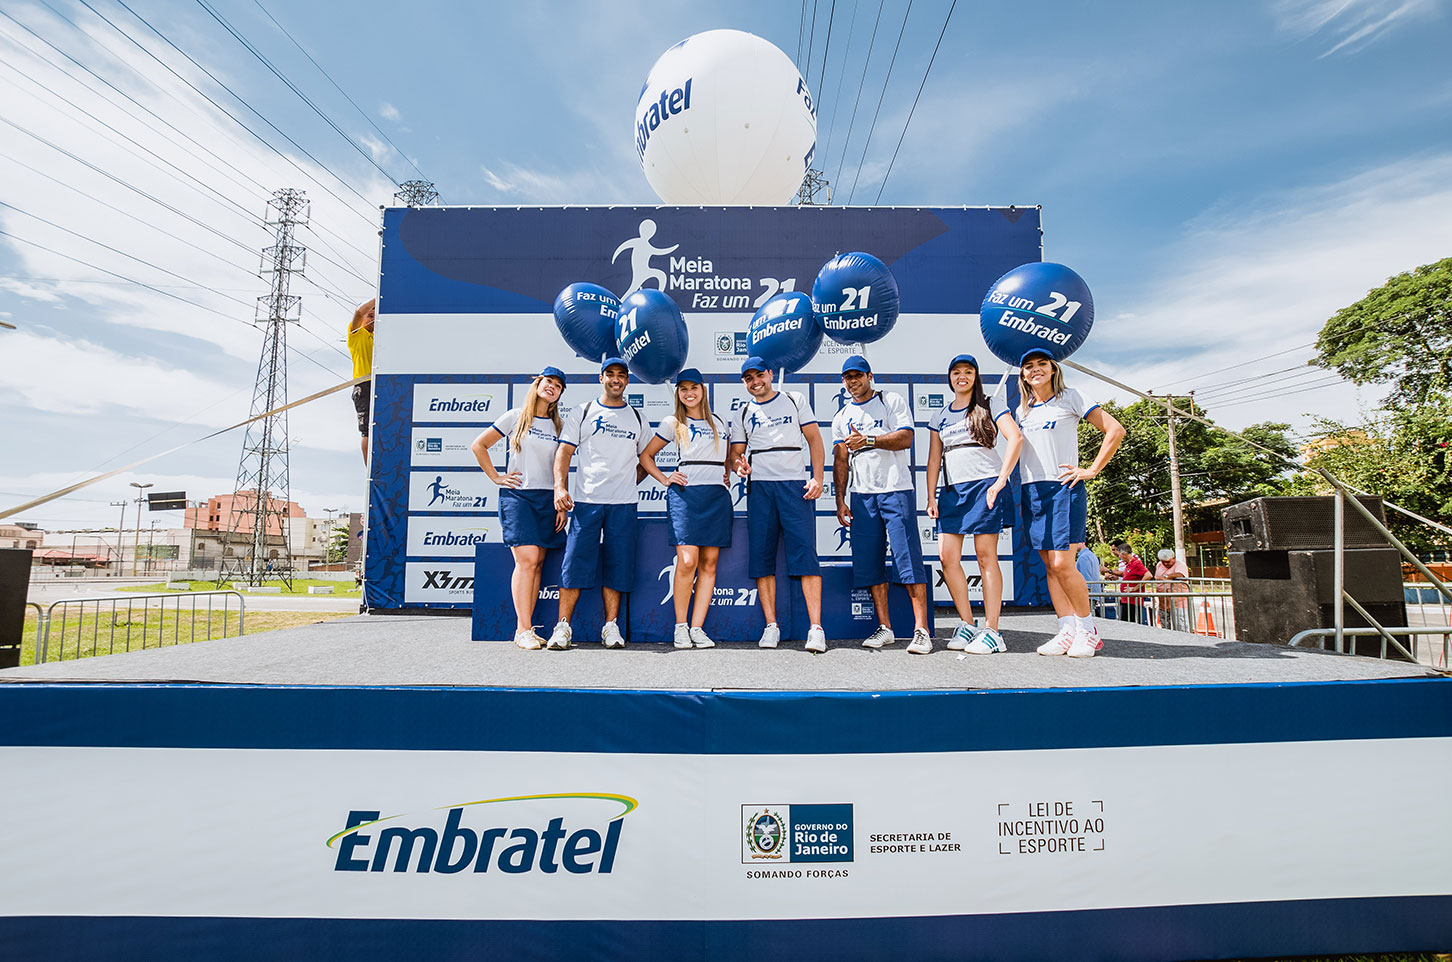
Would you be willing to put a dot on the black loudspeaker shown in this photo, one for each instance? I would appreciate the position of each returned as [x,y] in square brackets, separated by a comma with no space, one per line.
[14,585]
[1279,593]
[1298,524]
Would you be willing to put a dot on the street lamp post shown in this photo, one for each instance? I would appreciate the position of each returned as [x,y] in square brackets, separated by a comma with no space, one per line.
[140,500]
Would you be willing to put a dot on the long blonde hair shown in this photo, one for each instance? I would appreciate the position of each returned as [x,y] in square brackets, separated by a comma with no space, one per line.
[682,417]
[1026,393]
[527,415]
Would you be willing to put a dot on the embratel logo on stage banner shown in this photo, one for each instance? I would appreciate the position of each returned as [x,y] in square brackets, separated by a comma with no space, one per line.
[774,834]
[547,844]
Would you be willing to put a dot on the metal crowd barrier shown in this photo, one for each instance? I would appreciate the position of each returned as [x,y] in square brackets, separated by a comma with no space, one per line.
[93,626]
[1199,606]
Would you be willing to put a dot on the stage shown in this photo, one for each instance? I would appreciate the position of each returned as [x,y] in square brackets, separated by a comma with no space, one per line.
[431,650]
[383,788]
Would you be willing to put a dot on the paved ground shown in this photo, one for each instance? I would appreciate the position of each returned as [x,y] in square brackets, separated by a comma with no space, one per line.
[423,650]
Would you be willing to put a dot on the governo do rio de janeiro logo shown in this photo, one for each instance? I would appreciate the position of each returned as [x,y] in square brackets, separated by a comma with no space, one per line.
[574,832]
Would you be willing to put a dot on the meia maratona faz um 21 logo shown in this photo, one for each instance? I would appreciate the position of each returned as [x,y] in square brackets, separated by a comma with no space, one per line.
[573,832]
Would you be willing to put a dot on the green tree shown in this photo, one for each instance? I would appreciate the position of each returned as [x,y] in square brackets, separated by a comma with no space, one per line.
[1398,334]
[1401,454]
[1131,499]
[338,541]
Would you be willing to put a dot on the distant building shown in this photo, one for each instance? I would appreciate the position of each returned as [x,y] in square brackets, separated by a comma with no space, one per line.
[20,536]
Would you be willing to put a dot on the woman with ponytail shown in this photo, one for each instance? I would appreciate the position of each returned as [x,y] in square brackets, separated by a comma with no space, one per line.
[531,524]
[964,445]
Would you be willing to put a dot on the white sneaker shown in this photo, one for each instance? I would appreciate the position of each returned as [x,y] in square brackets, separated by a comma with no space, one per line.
[700,639]
[1059,644]
[986,642]
[1086,643]
[770,636]
[962,637]
[610,635]
[879,638]
[921,644]
[527,639]
[560,637]
[816,640]
[683,636]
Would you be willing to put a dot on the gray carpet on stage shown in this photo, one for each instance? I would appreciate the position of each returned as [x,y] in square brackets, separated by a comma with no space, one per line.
[398,650]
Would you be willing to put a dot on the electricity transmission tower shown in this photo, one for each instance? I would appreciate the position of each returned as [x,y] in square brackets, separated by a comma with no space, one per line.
[416,193]
[256,544]
[813,184]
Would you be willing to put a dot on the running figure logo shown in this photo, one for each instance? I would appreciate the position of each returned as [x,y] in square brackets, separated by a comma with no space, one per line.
[438,489]
[740,491]
[641,251]
[669,574]
[844,536]
[599,425]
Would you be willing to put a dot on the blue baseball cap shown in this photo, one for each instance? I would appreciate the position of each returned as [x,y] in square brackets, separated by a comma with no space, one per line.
[689,374]
[963,359]
[1036,352]
[856,363]
[610,362]
[551,371]
[753,363]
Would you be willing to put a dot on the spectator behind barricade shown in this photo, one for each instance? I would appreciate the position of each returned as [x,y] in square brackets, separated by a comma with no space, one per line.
[1088,564]
[360,345]
[1131,571]
[1172,577]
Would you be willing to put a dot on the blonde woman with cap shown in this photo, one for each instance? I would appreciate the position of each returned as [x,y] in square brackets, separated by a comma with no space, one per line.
[530,521]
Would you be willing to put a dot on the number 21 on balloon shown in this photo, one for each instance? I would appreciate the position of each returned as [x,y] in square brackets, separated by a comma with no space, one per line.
[627,326]
[859,295]
[1056,301]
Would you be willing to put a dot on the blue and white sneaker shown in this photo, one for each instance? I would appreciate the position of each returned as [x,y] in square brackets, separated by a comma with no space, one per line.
[986,642]
[963,637]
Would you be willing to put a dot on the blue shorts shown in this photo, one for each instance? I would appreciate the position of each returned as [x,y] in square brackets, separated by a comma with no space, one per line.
[1056,515]
[880,520]
[776,509]
[528,518]
[700,514]
[963,508]
[591,562]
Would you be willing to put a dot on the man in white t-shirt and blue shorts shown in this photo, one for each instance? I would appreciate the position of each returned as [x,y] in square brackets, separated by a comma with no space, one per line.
[766,450]
[608,435]
[871,436]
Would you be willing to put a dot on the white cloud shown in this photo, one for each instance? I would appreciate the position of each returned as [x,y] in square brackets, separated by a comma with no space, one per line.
[377,148]
[584,185]
[497,182]
[1262,276]
[389,112]
[1351,25]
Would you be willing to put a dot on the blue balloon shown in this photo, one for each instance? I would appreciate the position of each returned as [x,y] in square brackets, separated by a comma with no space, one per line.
[652,336]
[1038,305]
[586,315]
[855,298]
[784,332]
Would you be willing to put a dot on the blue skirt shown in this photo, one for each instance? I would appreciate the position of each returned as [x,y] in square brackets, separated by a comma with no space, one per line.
[963,508]
[700,514]
[527,516]
[1056,516]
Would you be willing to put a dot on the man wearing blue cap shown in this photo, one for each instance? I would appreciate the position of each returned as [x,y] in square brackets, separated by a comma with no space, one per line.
[766,449]
[871,436]
[609,436]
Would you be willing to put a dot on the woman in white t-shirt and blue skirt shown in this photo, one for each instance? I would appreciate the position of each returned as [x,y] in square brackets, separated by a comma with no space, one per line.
[971,502]
[698,502]
[1054,502]
[527,514]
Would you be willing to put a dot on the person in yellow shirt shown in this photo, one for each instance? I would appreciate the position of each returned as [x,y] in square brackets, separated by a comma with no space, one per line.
[360,345]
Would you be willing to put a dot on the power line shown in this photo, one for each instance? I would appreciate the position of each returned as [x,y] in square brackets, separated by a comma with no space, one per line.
[295,89]
[841,74]
[826,49]
[235,95]
[361,112]
[811,40]
[915,100]
[801,32]
[861,82]
[1315,387]
[886,80]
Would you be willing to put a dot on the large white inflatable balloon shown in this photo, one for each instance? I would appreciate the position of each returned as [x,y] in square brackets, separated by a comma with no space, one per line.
[725,118]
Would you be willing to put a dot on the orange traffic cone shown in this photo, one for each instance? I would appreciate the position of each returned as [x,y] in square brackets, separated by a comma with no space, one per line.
[1204,620]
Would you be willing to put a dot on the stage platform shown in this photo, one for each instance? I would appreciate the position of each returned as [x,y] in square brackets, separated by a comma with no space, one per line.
[402,650]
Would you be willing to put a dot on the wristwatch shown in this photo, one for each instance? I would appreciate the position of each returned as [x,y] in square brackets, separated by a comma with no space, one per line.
[871,441]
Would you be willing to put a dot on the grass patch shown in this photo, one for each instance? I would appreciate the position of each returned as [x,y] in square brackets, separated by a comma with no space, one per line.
[300,586]
[85,635]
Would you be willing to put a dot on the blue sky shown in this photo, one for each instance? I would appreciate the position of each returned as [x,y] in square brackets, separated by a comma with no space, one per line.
[1224,175]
